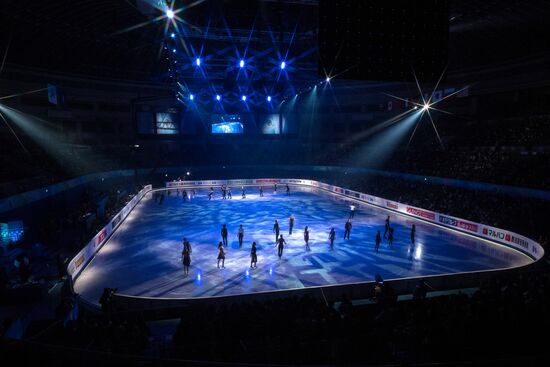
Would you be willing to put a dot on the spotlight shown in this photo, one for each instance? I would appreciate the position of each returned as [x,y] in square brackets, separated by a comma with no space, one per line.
[327,79]
[243,98]
[218,97]
[174,50]
[241,63]
[188,173]
[170,13]
[416,107]
[198,61]
[283,65]
[425,107]
[191,97]
[269,98]
[173,35]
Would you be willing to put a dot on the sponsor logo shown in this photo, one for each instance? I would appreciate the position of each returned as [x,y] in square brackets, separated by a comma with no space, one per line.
[389,204]
[116,220]
[421,213]
[294,181]
[520,241]
[493,233]
[78,261]
[472,227]
[267,180]
[101,237]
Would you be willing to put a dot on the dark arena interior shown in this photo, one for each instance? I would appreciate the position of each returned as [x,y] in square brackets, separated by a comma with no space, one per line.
[274,182]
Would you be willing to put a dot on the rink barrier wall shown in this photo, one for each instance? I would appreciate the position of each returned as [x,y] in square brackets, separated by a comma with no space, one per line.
[84,256]
[516,241]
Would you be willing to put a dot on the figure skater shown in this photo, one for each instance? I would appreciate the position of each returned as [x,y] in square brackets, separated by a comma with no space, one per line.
[221,255]
[184,195]
[287,190]
[186,257]
[211,193]
[243,194]
[347,228]
[331,237]
[224,196]
[387,226]
[413,233]
[275,188]
[253,257]
[306,238]
[261,192]
[281,246]
[224,235]
[351,211]
[290,224]
[276,230]
[229,193]
[241,235]
[390,237]
[377,241]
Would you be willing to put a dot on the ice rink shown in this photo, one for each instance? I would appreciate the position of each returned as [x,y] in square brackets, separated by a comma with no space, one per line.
[143,257]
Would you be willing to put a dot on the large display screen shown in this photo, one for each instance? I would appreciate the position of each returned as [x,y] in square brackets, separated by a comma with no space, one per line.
[227,124]
[269,124]
[166,123]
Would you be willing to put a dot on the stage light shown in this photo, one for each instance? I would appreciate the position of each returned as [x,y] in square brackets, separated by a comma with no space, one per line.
[218,97]
[174,50]
[269,98]
[327,79]
[198,61]
[241,63]
[170,13]
[243,98]
[416,107]
[173,35]
[191,97]
[188,173]
[283,65]
[425,107]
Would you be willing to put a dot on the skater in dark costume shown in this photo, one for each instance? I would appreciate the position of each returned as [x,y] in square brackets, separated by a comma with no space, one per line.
[221,255]
[224,235]
[347,228]
[290,224]
[224,191]
[211,193]
[229,193]
[413,234]
[280,246]
[351,211]
[194,193]
[390,237]
[184,195]
[186,258]
[287,190]
[178,193]
[253,256]
[275,188]
[306,238]
[261,192]
[387,226]
[377,241]
[240,235]
[331,237]
[243,194]
[276,230]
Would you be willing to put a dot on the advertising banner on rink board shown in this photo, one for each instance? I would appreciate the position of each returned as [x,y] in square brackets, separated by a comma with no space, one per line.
[88,252]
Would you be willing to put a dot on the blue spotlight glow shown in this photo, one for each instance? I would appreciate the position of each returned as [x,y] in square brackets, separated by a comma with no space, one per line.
[218,97]
[270,271]
[174,50]
[170,13]
[327,79]
[191,97]
[241,63]
[199,277]
[269,98]
[247,273]
[243,98]
[198,61]
[173,35]
[283,65]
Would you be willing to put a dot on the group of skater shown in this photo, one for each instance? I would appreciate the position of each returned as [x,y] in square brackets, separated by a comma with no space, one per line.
[280,241]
